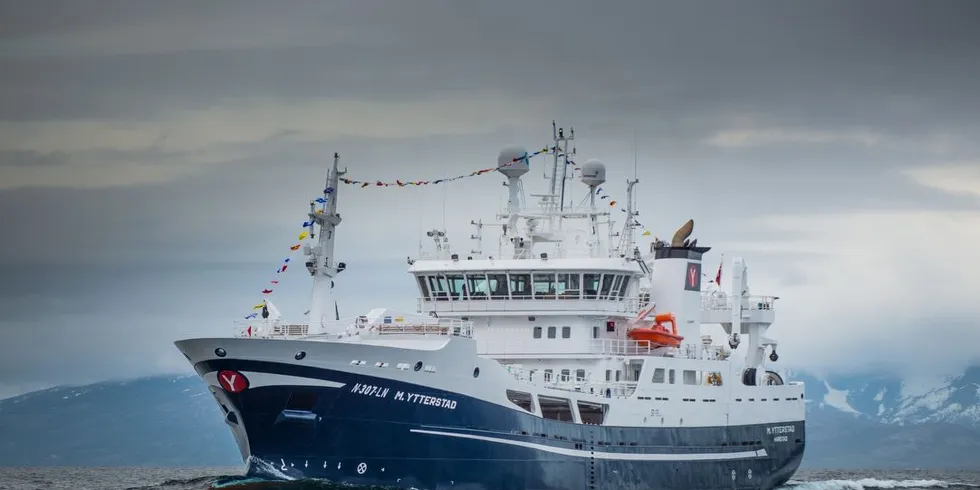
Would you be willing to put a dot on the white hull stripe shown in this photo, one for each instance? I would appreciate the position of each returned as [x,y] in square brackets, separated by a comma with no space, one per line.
[761,453]
[257,380]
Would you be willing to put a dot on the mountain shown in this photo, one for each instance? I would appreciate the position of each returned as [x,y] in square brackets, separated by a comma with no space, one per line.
[854,421]
[156,421]
[896,401]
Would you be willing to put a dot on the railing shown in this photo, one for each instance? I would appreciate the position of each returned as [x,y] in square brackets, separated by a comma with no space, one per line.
[714,301]
[355,327]
[622,347]
[538,378]
[607,347]
[629,305]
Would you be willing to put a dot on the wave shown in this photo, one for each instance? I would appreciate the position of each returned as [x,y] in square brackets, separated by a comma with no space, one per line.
[875,484]
[275,482]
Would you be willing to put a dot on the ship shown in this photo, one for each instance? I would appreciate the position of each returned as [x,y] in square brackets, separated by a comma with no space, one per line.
[565,359]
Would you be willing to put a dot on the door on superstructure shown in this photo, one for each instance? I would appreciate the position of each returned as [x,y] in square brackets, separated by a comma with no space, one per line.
[635,366]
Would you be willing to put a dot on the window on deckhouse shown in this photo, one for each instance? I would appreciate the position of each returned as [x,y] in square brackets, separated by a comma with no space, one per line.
[614,291]
[520,286]
[437,286]
[477,283]
[457,286]
[590,283]
[498,285]
[607,280]
[423,287]
[544,286]
[624,287]
[567,286]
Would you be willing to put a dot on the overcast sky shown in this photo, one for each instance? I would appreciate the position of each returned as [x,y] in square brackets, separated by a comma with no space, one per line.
[156,158]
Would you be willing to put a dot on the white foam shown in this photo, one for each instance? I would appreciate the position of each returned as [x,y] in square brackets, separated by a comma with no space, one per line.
[870,483]
[264,467]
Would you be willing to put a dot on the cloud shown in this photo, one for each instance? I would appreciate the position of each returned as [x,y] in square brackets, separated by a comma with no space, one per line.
[107,153]
[961,178]
[769,137]
[253,120]
[145,138]
[880,287]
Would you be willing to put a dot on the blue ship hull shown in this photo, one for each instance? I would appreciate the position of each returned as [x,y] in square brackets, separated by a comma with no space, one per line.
[374,431]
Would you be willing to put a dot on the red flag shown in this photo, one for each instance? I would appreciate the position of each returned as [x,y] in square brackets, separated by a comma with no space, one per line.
[275,282]
[718,276]
[249,330]
[266,291]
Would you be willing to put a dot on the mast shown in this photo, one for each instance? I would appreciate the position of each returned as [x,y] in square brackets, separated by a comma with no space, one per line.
[320,262]
[627,242]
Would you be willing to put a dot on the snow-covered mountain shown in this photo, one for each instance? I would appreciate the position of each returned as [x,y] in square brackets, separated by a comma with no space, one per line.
[892,400]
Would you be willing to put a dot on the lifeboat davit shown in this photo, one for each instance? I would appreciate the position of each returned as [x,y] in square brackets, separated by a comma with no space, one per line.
[657,334]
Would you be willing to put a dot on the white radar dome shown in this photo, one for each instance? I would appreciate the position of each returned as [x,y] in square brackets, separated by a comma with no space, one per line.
[593,173]
[507,165]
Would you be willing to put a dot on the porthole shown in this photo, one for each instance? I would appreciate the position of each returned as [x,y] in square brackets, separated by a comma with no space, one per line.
[476,372]
[418,366]
[300,355]
[220,352]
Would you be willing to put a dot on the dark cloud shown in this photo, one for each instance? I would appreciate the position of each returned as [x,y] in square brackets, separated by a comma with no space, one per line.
[156,158]
[827,63]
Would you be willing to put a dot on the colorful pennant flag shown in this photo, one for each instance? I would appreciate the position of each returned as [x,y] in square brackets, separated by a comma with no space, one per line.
[285,263]
[404,183]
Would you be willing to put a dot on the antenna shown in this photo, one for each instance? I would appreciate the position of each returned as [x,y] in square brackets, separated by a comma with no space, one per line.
[634,152]
[564,172]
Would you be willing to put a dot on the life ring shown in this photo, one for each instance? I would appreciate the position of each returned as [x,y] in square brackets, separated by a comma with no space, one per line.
[714,379]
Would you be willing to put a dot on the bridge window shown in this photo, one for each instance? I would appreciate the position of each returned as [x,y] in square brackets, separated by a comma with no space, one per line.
[520,286]
[607,280]
[544,286]
[555,408]
[423,286]
[690,377]
[566,375]
[614,291]
[658,375]
[566,332]
[537,332]
[437,287]
[548,375]
[457,286]
[521,399]
[498,285]
[477,284]
[591,413]
[580,375]
[552,332]
[590,283]
[567,286]
[624,288]
[609,375]
[671,376]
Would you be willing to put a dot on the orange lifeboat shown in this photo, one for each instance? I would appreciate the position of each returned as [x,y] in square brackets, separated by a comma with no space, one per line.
[658,334]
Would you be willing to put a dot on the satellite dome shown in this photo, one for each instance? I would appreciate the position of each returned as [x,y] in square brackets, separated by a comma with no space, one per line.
[593,173]
[507,165]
